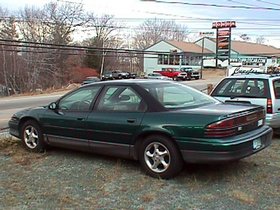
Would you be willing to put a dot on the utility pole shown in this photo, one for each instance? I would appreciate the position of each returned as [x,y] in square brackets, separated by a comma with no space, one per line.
[202,57]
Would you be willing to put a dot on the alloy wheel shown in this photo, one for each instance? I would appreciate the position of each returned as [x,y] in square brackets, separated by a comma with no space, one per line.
[157,157]
[31,137]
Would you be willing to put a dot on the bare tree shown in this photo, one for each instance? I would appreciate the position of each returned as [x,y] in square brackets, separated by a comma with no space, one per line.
[9,70]
[105,31]
[260,40]
[155,30]
[54,24]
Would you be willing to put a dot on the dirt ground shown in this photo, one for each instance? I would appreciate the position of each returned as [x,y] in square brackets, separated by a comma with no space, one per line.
[64,179]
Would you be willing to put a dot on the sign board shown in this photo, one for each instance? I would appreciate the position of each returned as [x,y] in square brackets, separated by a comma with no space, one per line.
[223,39]
[224,24]
[206,33]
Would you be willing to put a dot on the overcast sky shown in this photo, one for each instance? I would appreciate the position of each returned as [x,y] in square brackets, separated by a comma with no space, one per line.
[265,22]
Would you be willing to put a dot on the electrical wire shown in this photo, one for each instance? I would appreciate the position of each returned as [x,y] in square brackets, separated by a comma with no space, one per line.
[89,50]
[268,2]
[215,5]
[238,2]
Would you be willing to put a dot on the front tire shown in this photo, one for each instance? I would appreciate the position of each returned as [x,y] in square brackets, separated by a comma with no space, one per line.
[159,157]
[32,136]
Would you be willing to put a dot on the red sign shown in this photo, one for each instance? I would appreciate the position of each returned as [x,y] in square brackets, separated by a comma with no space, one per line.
[223,45]
[225,24]
[223,33]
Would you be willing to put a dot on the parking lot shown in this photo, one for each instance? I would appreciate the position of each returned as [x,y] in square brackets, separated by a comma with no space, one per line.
[63,179]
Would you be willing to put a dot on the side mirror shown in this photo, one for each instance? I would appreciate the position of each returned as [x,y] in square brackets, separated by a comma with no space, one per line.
[53,106]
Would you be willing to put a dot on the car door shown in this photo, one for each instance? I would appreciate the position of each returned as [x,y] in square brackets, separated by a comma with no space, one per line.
[115,120]
[66,124]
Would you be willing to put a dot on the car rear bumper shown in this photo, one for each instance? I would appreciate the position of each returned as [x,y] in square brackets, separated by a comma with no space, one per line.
[232,149]
[273,120]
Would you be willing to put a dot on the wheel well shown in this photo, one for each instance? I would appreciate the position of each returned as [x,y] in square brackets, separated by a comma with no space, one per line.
[25,119]
[142,136]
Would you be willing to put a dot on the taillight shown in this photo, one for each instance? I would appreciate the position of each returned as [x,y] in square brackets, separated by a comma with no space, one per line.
[235,125]
[269,106]
[222,124]
[222,128]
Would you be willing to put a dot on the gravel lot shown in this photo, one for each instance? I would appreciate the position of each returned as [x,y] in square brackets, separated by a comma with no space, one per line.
[64,179]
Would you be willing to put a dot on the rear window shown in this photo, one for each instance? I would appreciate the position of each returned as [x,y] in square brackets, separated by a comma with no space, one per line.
[276,86]
[177,96]
[250,88]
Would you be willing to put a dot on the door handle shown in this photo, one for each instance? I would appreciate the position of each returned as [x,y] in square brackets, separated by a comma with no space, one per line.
[80,118]
[131,120]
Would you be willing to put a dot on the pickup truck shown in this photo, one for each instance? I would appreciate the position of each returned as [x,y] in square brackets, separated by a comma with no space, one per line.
[174,73]
[169,72]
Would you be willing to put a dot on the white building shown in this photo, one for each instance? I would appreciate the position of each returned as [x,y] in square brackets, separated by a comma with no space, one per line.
[179,54]
[173,54]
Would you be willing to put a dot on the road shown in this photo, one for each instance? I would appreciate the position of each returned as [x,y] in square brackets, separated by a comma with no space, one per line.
[10,105]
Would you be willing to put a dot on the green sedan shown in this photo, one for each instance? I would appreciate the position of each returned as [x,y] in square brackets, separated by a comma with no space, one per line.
[160,123]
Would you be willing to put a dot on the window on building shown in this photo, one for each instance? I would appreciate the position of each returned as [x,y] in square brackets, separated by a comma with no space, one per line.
[165,59]
[160,59]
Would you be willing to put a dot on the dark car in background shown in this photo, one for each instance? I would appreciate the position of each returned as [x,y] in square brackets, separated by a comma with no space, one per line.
[118,74]
[160,123]
[90,80]
[107,76]
[132,75]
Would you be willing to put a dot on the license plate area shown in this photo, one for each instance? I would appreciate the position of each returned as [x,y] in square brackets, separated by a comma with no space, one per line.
[257,143]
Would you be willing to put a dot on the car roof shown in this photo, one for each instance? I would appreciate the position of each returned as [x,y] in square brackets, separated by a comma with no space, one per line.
[254,76]
[131,82]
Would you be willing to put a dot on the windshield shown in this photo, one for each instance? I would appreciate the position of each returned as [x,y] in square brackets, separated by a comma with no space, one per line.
[177,96]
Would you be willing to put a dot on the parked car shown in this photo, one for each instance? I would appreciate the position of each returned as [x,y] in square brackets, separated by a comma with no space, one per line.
[107,76]
[89,80]
[184,76]
[160,123]
[118,74]
[169,72]
[156,76]
[132,75]
[253,88]
[193,74]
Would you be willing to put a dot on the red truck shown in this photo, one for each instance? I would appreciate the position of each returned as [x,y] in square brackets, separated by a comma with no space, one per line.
[169,72]
[186,73]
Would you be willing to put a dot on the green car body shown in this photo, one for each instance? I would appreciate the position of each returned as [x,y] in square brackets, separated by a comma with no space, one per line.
[131,133]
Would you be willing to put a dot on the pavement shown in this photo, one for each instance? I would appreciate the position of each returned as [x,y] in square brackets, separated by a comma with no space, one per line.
[10,105]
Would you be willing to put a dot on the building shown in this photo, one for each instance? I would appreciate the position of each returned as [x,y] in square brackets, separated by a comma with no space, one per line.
[242,53]
[179,54]
[173,55]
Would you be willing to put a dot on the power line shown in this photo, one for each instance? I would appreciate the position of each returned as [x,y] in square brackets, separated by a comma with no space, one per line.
[216,5]
[268,2]
[238,2]
[92,50]
[71,47]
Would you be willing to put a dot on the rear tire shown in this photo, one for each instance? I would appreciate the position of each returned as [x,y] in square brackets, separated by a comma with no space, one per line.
[32,137]
[159,157]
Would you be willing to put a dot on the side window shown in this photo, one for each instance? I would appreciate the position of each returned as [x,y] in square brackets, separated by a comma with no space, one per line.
[276,86]
[79,100]
[170,96]
[122,99]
